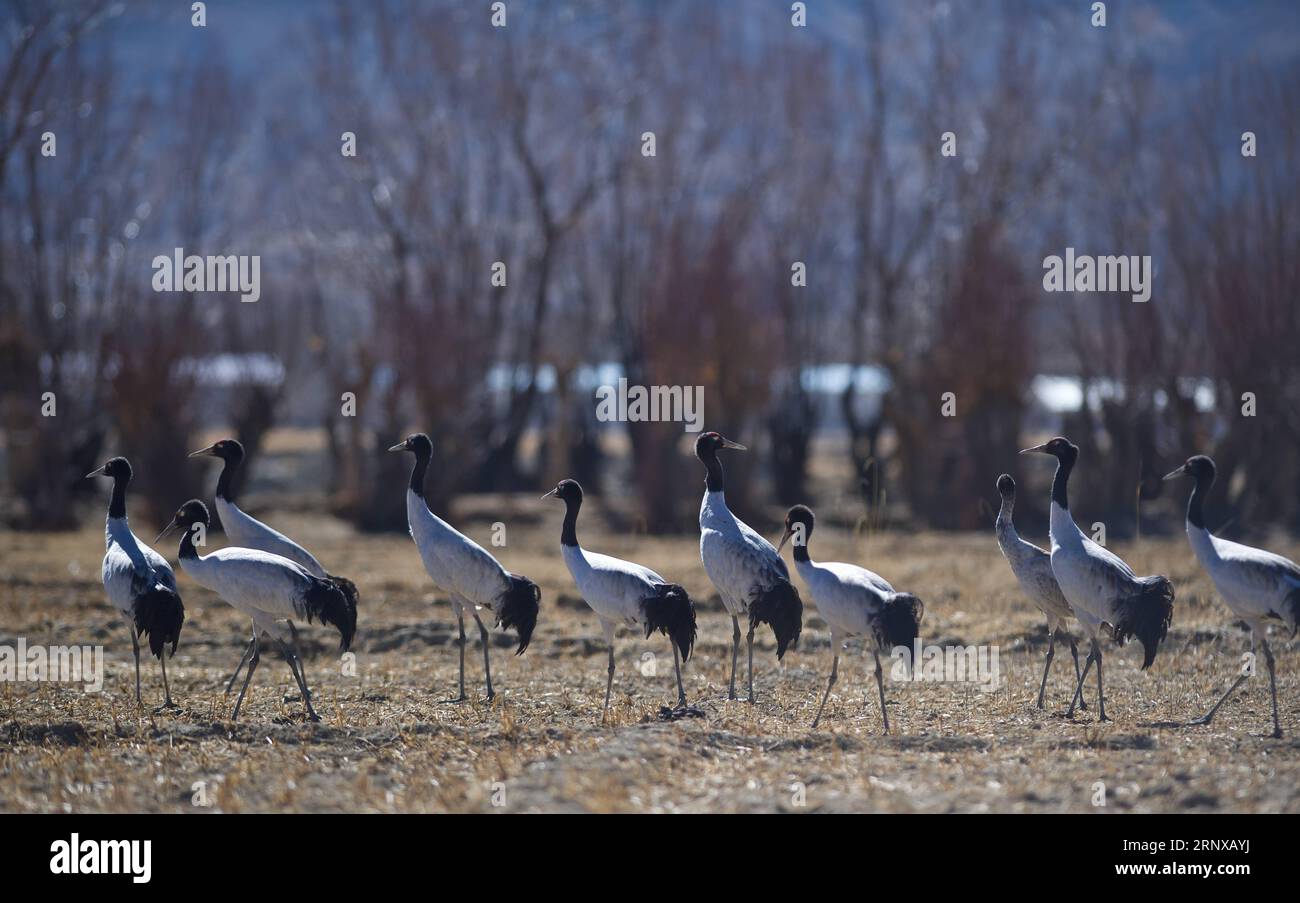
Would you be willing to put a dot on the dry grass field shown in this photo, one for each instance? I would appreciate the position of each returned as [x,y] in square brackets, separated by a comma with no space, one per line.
[389,741]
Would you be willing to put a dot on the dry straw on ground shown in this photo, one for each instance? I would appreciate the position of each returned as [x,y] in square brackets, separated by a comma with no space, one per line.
[389,742]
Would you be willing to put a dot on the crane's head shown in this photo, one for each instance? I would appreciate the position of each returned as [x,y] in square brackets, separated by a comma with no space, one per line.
[191,513]
[228,450]
[1199,467]
[115,468]
[566,491]
[1060,448]
[799,521]
[710,444]
[417,443]
[1006,486]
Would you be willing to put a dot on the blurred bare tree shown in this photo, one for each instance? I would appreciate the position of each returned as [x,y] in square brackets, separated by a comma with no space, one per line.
[502,240]
[62,251]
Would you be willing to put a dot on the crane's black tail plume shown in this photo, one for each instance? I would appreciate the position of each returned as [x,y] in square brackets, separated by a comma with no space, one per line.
[1146,615]
[326,601]
[348,588]
[160,614]
[779,607]
[517,609]
[672,613]
[899,623]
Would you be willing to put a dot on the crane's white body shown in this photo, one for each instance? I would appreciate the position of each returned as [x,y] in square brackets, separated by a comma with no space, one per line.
[130,568]
[250,533]
[849,598]
[455,563]
[740,563]
[615,589]
[268,588]
[1092,579]
[1032,568]
[1254,583]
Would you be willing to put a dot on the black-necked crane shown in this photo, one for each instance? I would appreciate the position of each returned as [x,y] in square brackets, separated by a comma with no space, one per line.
[1258,586]
[1033,569]
[1102,590]
[746,569]
[621,592]
[465,570]
[853,602]
[270,589]
[250,533]
[139,582]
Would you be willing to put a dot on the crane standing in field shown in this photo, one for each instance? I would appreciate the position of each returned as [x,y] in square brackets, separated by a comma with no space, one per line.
[1033,569]
[1101,589]
[1258,586]
[854,602]
[619,591]
[139,582]
[746,569]
[270,589]
[250,533]
[465,570]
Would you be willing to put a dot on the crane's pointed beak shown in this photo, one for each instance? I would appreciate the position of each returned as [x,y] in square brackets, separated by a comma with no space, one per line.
[210,450]
[1175,473]
[784,539]
[1041,449]
[167,529]
[401,446]
[727,443]
[555,491]
[96,472]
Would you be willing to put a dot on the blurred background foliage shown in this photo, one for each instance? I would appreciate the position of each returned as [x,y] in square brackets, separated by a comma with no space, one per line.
[774,145]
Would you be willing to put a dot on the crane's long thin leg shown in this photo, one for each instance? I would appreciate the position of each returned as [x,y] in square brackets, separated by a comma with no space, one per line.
[248,651]
[299,672]
[735,650]
[487,666]
[135,648]
[167,690]
[880,682]
[608,628]
[1209,716]
[835,673]
[1241,678]
[1047,666]
[609,680]
[460,625]
[750,641]
[1101,693]
[1272,686]
[252,666]
[293,668]
[677,666]
[1078,693]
